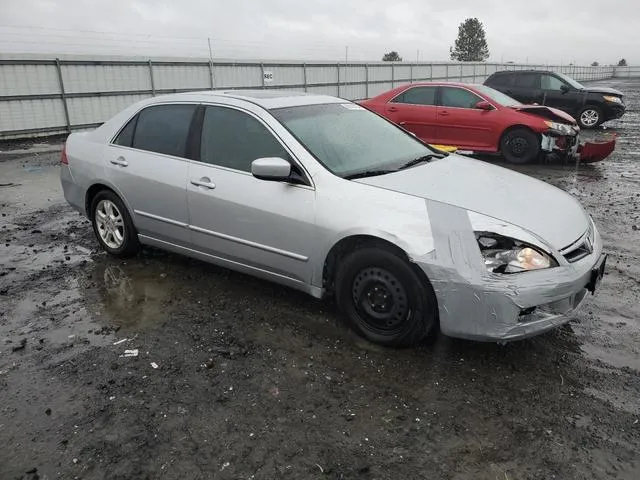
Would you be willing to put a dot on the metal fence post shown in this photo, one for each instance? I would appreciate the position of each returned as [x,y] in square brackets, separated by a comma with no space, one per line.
[338,67]
[153,85]
[63,95]
[446,75]
[393,74]
[474,73]
[366,79]
[411,73]
[304,74]
[262,73]
[431,71]
[460,65]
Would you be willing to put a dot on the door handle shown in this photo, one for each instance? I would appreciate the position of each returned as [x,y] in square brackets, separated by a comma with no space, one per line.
[204,182]
[392,109]
[120,161]
[444,113]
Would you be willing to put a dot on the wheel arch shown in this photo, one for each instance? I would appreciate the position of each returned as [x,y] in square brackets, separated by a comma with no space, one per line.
[354,241]
[98,186]
[516,126]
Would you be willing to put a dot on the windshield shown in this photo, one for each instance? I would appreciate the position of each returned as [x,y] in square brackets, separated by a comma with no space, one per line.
[570,81]
[349,139]
[498,97]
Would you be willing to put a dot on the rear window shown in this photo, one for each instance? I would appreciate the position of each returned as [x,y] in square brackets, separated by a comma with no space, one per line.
[163,129]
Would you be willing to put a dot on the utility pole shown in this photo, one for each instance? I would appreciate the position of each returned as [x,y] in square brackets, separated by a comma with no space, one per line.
[210,63]
[418,56]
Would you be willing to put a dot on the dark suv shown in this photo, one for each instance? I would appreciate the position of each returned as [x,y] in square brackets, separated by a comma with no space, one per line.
[591,106]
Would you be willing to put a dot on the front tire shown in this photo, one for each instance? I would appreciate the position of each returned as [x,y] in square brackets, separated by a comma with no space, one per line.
[590,117]
[520,146]
[112,225]
[384,299]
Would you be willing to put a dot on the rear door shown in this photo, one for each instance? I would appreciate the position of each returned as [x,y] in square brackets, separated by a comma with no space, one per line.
[461,124]
[415,110]
[526,88]
[264,225]
[558,94]
[147,163]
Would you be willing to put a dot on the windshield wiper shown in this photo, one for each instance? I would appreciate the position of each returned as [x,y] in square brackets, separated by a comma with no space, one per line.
[422,159]
[368,173]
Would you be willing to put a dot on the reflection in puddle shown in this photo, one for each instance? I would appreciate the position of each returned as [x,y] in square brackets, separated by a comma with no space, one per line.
[132,296]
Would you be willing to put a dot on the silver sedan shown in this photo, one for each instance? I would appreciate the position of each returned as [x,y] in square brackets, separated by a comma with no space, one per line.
[319,194]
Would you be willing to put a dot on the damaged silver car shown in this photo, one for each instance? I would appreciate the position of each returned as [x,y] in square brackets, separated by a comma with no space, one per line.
[324,196]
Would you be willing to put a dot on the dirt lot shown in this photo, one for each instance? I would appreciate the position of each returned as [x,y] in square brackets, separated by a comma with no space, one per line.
[255,381]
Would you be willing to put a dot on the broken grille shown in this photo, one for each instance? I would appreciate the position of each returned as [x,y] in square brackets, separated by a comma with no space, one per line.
[581,248]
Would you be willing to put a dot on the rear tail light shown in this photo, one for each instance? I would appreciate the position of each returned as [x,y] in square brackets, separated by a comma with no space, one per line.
[63,156]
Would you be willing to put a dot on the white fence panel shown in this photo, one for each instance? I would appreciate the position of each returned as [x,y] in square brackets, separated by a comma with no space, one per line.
[32,100]
[105,78]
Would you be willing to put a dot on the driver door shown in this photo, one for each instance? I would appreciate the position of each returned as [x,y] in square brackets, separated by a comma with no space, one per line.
[266,226]
[558,94]
[462,125]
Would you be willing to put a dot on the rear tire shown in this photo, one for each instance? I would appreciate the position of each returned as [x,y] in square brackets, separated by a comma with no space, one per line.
[384,299]
[590,117]
[520,146]
[112,225]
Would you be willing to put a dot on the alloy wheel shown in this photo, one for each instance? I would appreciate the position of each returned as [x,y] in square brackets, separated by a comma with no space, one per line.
[589,118]
[110,224]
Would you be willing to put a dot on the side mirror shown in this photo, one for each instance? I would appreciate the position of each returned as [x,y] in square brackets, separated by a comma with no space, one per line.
[564,88]
[271,168]
[484,105]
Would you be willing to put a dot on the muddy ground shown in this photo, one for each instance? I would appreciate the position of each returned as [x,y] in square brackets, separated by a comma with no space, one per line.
[256,381]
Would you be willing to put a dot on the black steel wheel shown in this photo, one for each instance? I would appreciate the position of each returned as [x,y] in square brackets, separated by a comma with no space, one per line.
[520,146]
[384,299]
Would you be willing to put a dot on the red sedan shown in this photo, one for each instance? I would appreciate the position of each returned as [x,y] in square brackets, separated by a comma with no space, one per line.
[480,119]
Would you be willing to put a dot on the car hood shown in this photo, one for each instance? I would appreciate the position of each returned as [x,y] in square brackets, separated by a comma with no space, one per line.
[605,90]
[549,113]
[538,207]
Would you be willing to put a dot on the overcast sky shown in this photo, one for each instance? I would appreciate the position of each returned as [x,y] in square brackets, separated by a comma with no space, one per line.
[543,31]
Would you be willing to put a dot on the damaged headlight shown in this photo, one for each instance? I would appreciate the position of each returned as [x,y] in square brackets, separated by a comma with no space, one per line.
[506,255]
[561,128]
[612,99]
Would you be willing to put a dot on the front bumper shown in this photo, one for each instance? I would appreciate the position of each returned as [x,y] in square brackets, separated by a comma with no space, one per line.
[569,147]
[502,308]
[612,111]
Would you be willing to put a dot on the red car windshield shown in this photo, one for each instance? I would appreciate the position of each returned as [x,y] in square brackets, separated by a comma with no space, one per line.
[497,97]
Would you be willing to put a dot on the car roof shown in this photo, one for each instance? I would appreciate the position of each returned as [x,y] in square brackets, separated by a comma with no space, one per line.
[511,72]
[440,84]
[267,99]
